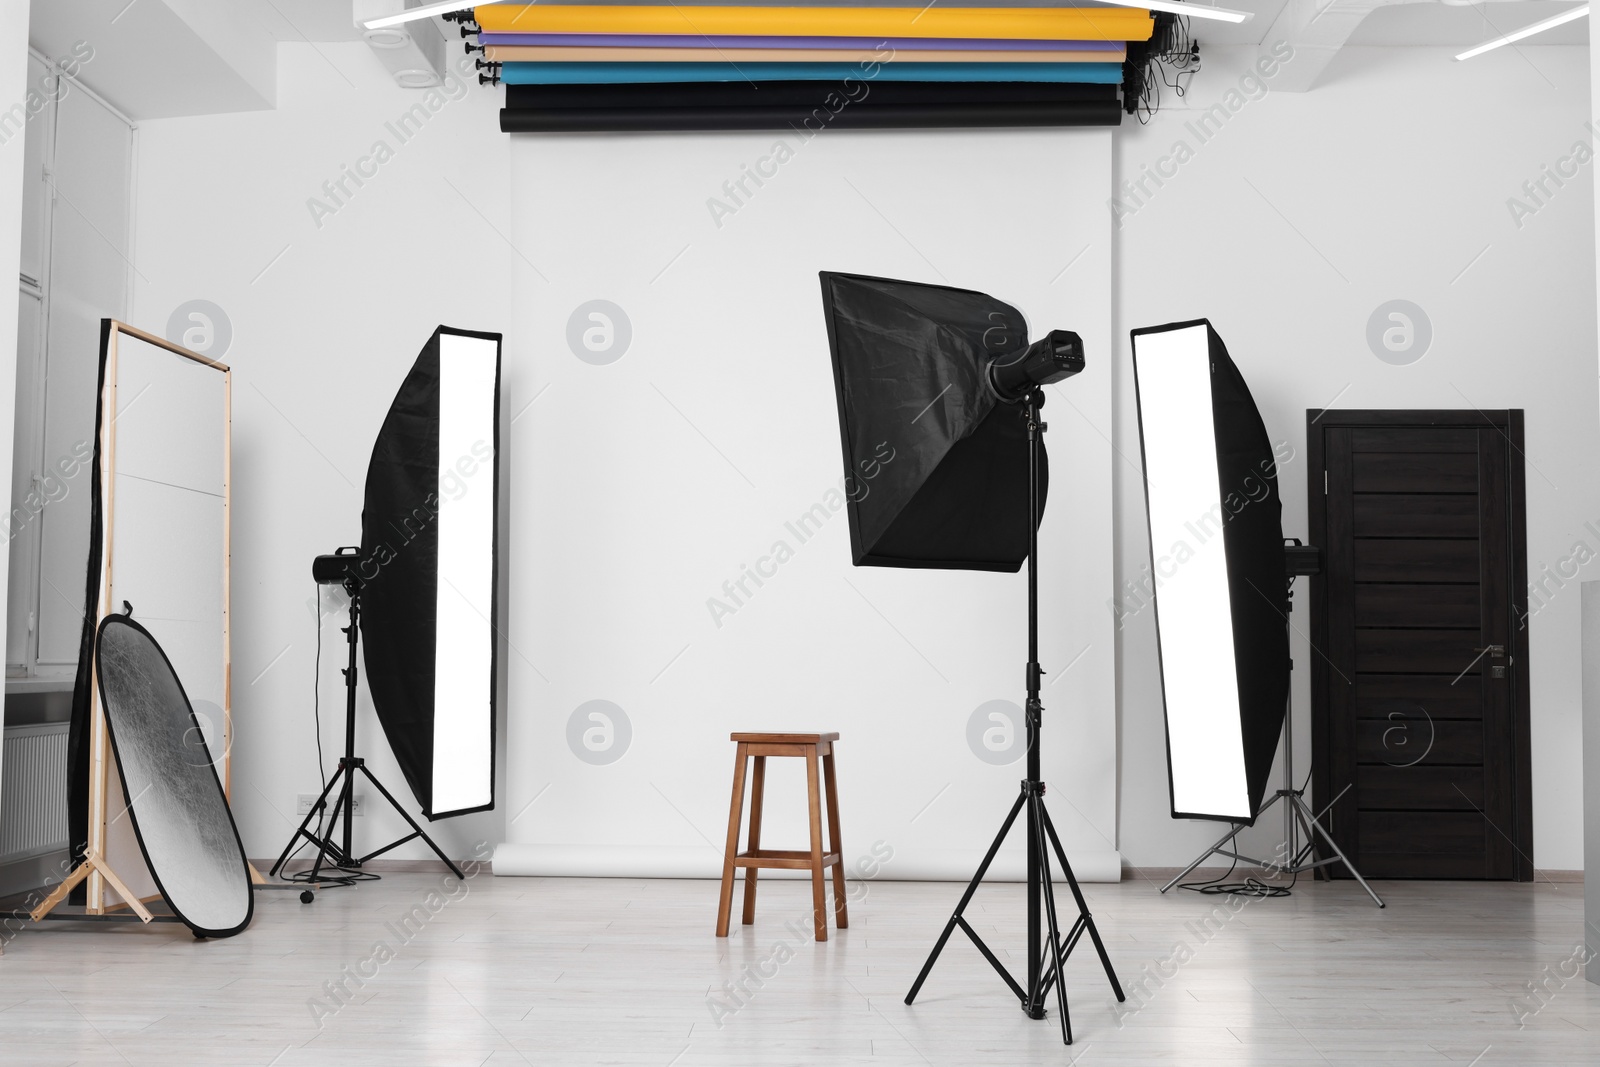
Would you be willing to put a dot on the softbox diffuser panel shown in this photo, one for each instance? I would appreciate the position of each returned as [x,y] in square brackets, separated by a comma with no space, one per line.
[936,467]
[429,572]
[1216,537]
[176,805]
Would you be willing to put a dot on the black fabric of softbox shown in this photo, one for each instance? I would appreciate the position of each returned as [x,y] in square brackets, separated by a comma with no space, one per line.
[400,570]
[936,465]
[1257,586]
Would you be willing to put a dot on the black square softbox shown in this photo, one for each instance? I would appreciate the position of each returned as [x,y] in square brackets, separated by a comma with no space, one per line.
[936,464]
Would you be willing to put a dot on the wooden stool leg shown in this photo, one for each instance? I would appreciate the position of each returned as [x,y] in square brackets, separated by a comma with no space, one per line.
[735,813]
[758,787]
[841,915]
[819,894]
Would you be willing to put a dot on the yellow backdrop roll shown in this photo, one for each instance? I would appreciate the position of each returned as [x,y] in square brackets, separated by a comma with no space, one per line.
[1015,23]
[505,53]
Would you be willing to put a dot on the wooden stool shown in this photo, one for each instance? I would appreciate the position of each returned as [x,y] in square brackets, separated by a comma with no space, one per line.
[809,747]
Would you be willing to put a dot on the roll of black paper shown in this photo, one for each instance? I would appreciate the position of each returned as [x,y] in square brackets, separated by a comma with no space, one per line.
[832,95]
[802,119]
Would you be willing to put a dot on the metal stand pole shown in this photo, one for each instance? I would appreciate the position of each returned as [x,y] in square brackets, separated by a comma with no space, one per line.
[1043,970]
[1297,815]
[1033,715]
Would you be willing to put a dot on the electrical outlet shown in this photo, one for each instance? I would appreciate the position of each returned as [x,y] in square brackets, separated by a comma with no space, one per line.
[305,800]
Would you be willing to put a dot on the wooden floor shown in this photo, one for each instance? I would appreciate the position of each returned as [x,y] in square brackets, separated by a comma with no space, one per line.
[559,971]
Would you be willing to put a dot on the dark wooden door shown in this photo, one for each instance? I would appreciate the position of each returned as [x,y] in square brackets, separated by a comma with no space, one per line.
[1420,651]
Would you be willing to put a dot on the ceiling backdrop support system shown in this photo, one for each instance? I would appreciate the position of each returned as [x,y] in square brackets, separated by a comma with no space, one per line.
[1043,971]
[1297,814]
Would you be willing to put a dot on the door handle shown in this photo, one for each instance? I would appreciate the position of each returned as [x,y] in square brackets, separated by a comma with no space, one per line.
[1493,650]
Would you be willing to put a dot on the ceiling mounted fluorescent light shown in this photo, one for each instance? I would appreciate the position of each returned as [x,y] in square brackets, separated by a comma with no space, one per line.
[414,13]
[1527,31]
[1197,11]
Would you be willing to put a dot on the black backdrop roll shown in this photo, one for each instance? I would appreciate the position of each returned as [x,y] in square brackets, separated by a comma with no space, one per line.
[791,119]
[807,94]
[805,108]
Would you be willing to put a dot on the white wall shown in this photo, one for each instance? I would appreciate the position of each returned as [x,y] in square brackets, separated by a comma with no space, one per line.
[1288,228]
[1398,168]
[624,519]
[1591,725]
[13,90]
[326,320]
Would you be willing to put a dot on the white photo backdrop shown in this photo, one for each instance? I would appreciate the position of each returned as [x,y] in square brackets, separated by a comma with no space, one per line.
[679,554]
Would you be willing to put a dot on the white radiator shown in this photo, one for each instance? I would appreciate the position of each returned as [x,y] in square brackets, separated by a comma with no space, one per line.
[33,791]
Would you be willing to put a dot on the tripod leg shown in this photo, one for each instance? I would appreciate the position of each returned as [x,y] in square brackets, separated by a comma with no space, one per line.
[1083,906]
[1043,852]
[312,814]
[1223,840]
[1310,846]
[1339,852]
[395,804]
[1074,934]
[325,843]
[972,887]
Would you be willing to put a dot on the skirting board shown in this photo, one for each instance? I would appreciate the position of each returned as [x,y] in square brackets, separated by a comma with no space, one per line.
[664,861]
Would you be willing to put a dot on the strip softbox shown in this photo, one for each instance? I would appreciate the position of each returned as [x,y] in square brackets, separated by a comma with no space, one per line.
[428,572]
[1216,543]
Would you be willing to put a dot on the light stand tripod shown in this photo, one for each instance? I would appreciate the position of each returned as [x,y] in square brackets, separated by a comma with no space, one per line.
[1297,814]
[1041,886]
[342,854]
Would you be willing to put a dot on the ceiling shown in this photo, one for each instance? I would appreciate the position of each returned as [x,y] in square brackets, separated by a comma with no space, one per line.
[302,20]
[1450,24]
[1427,23]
